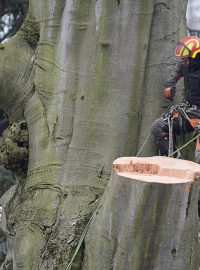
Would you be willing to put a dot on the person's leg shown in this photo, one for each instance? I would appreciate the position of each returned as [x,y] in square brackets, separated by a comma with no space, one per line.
[160,131]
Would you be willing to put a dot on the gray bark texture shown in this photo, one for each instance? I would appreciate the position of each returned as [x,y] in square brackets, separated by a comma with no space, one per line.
[143,225]
[86,76]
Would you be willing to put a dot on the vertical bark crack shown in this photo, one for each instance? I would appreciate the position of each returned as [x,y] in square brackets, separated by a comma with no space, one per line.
[188,203]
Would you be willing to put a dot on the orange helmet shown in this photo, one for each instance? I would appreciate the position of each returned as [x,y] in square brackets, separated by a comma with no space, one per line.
[188,47]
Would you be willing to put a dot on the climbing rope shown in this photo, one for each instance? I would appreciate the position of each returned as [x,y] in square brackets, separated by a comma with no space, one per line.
[143,144]
[182,110]
[171,154]
[68,267]
[183,146]
[171,145]
[147,138]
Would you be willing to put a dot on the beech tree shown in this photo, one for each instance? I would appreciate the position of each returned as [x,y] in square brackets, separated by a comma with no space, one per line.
[147,218]
[85,77]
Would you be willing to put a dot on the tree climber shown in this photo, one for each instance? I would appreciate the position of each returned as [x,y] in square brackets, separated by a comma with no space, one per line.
[184,117]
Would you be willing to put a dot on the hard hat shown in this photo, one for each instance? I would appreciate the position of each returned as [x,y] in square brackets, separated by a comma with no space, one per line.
[188,47]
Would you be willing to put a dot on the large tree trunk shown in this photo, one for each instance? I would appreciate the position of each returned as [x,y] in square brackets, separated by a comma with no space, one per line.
[84,75]
[148,217]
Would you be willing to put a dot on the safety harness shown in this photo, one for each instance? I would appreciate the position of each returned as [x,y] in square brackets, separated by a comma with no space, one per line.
[178,111]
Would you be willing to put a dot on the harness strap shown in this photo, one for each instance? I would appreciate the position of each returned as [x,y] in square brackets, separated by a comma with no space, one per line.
[175,112]
[170,126]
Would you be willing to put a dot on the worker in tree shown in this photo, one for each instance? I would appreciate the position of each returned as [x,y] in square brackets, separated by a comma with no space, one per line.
[184,117]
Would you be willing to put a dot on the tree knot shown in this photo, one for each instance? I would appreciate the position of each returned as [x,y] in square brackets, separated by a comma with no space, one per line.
[14,148]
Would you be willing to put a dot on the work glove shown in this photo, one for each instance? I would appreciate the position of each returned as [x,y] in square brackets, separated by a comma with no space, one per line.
[169,93]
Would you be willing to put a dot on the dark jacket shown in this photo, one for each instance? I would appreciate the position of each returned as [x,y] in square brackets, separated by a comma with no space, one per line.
[191,74]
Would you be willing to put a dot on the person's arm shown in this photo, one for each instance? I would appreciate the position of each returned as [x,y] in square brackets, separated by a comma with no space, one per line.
[170,85]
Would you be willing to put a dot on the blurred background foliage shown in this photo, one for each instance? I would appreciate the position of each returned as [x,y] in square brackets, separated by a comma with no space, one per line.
[12,14]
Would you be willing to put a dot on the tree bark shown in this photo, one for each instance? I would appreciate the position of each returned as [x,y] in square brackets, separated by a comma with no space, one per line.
[79,72]
[148,217]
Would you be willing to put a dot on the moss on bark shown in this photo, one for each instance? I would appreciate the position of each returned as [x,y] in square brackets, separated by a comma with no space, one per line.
[14,148]
[80,90]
